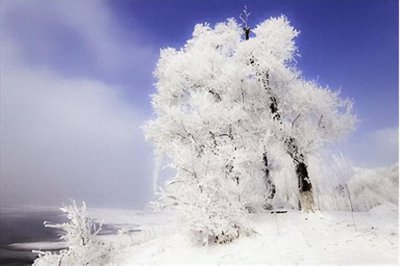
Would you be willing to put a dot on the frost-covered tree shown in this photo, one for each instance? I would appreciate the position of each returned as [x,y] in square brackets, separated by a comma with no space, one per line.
[80,235]
[238,121]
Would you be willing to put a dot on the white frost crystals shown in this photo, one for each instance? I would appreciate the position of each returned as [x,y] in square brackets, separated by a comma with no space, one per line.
[215,120]
[84,247]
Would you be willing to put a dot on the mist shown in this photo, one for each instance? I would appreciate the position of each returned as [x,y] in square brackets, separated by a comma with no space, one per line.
[67,131]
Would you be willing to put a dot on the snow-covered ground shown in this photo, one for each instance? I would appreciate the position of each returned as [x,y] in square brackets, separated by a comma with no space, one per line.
[366,236]
[294,237]
[289,238]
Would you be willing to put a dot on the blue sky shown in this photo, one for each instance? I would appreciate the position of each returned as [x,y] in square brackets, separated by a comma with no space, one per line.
[350,45]
[76,78]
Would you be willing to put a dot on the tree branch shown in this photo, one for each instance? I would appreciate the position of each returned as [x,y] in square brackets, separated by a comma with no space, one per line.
[294,121]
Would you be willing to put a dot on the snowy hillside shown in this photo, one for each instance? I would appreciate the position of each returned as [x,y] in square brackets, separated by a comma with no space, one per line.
[288,238]
[294,237]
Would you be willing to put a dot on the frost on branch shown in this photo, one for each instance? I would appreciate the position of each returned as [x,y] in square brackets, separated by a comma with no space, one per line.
[223,105]
[80,234]
[244,17]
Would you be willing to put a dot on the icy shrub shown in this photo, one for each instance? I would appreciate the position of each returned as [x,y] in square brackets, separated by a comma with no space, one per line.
[80,234]
[210,216]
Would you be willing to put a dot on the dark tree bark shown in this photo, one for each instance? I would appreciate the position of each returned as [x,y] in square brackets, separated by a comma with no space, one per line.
[247,32]
[304,180]
[271,190]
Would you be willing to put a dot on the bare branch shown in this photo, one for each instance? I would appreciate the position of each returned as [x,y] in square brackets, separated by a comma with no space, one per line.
[215,94]
[320,120]
[193,173]
[351,205]
[294,121]
[244,17]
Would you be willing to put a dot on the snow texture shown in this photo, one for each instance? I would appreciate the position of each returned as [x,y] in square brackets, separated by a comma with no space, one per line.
[291,238]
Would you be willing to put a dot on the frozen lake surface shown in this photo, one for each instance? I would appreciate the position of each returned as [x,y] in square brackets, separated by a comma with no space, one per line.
[22,230]
[25,225]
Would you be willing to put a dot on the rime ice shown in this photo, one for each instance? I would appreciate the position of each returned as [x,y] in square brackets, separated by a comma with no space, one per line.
[223,102]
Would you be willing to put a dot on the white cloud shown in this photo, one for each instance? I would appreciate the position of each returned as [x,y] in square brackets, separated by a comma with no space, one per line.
[387,138]
[373,149]
[385,144]
[77,36]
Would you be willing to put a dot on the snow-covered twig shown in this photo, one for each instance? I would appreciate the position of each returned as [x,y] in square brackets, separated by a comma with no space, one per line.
[244,16]
[294,121]
[351,206]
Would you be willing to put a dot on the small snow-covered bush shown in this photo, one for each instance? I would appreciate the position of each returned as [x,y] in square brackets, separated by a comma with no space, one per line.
[80,235]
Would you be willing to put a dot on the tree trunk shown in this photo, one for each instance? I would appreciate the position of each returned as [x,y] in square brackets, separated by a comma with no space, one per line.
[269,185]
[247,32]
[306,201]
[305,187]
[304,183]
